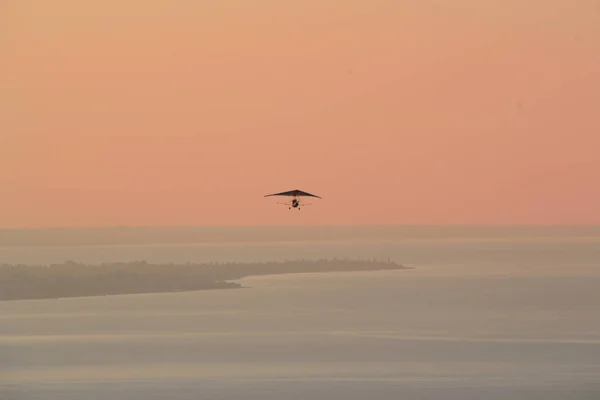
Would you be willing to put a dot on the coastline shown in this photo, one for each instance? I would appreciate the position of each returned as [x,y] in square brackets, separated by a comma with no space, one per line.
[74,280]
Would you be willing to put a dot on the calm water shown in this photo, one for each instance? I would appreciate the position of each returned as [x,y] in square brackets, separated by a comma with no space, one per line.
[508,318]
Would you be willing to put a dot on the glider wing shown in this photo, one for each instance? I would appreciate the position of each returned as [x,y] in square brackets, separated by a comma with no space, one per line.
[294,193]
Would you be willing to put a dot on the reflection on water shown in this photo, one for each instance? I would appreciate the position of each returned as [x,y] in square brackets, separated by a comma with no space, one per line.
[472,321]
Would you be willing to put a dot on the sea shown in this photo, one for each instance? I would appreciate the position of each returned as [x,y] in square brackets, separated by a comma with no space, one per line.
[485,313]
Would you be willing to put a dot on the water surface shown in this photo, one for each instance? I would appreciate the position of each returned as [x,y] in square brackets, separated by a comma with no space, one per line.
[476,319]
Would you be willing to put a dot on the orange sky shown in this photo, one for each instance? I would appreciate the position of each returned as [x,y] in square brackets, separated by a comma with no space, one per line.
[186,112]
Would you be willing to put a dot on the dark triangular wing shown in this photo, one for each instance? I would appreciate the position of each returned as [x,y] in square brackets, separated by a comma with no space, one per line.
[301,193]
[293,193]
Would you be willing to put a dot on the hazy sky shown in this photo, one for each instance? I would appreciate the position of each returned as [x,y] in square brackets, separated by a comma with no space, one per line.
[135,112]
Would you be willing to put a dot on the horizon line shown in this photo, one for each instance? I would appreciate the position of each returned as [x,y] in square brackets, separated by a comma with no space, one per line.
[315,226]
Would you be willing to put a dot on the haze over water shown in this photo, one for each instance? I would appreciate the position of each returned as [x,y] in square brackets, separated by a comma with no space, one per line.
[155,113]
[486,313]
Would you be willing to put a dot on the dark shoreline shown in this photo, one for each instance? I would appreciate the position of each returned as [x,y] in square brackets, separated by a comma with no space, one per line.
[72,280]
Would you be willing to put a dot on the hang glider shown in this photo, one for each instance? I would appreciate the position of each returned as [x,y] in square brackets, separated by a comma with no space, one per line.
[295,194]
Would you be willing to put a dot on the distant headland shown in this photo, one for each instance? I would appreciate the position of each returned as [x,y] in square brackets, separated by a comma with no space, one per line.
[71,279]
